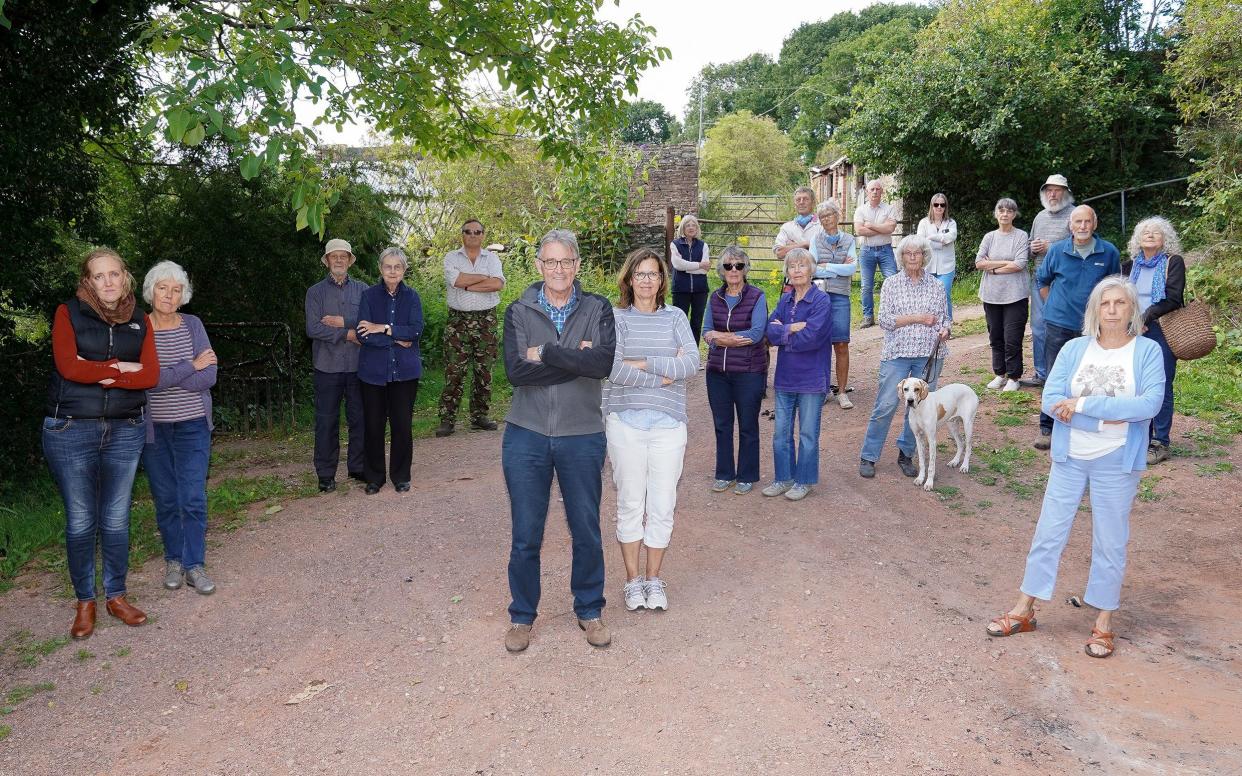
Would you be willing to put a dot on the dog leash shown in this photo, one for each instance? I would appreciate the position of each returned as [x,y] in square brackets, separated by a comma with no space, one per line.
[931,359]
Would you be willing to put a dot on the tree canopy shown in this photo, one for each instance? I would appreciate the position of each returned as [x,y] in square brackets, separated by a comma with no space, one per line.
[748,154]
[646,121]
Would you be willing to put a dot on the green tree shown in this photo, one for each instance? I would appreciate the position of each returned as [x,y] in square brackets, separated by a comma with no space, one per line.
[747,154]
[646,121]
[746,84]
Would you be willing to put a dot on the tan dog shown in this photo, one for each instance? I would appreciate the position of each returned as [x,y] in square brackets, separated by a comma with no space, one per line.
[955,405]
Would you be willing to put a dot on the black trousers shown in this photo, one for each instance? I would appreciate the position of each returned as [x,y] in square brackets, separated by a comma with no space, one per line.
[1055,338]
[693,304]
[391,405]
[1006,329]
[330,389]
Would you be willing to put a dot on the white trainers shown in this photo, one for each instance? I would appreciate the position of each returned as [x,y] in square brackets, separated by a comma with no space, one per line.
[997,382]
[635,597]
[844,400]
[777,488]
[656,599]
[1010,385]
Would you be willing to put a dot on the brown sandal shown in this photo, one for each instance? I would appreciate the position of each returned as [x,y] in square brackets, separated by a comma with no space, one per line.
[1011,624]
[1099,639]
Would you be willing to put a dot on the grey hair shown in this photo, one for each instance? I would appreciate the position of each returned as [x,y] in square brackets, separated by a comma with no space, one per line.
[799,254]
[732,254]
[393,250]
[1008,204]
[915,241]
[562,236]
[1091,318]
[873,183]
[1067,200]
[806,190]
[167,270]
[828,206]
[1172,243]
[691,218]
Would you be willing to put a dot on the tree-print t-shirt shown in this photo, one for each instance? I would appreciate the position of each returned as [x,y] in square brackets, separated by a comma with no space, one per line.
[1101,373]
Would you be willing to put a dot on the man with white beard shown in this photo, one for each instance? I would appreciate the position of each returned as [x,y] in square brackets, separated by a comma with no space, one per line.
[1049,226]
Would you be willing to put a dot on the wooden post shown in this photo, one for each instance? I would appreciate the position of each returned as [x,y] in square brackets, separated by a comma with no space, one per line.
[668,229]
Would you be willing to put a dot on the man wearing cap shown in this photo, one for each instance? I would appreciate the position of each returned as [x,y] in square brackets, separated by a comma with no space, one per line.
[874,223]
[1050,225]
[331,317]
[473,277]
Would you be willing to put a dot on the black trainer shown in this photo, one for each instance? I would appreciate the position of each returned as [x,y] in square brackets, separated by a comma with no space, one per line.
[483,424]
[326,484]
[907,465]
[866,468]
[444,429]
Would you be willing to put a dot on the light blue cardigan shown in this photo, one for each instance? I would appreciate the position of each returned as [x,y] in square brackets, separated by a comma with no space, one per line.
[1138,410]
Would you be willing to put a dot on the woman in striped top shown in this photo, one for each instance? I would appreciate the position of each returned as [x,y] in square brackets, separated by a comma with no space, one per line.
[645,412]
[179,427]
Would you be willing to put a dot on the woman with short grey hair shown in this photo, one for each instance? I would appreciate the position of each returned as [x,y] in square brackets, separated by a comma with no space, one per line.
[1157,270]
[1004,292]
[836,261]
[691,259]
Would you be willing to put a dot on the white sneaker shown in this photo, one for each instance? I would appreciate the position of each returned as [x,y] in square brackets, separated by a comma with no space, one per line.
[997,382]
[1010,385]
[656,599]
[777,488]
[844,400]
[635,597]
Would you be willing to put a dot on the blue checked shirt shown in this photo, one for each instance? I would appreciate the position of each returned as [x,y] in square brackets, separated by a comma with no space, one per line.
[559,314]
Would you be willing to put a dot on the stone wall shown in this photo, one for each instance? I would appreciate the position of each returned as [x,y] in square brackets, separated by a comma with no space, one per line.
[673,179]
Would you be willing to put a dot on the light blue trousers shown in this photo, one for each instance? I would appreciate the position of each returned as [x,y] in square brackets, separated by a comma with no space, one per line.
[1112,495]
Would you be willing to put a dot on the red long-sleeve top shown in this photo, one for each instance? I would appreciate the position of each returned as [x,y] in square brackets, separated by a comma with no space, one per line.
[65,355]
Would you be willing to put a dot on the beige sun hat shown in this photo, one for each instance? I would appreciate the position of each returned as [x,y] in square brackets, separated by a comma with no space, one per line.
[1055,180]
[337,245]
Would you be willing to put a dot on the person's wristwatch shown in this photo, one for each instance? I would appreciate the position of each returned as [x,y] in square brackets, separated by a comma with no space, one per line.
[539,350]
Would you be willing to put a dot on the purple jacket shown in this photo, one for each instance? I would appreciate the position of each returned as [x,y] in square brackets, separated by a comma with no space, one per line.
[186,376]
[804,358]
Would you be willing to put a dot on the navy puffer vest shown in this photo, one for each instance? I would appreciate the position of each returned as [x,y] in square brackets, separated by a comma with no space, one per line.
[751,358]
[684,282]
[99,341]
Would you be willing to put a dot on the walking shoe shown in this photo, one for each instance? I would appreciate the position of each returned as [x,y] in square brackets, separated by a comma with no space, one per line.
[720,486]
[844,400]
[483,424]
[867,322]
[777,488]
[372,488]
[866,468]
[173,574]
[1157,453]
[654,589]
[401,487]
[359,476]
[1010,386]
[83,620]
[797,492]
[444,429]
[907,465]
[327,484]
[125,611]
[743,488]
[1044,441]
[597,633]
[517,639]
[997,382]
[1032,382]
[197,578]
[635,598]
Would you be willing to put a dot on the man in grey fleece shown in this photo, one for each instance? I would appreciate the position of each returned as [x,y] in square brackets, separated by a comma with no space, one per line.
[1049,226]
[558,348]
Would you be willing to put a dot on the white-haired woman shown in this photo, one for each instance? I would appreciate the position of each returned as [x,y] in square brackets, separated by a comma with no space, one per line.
[1004,292]
[941,230]
[914,316]
[836,262]
[1102,392]
[1158,272]
[179,427]
[691,260]
[390,322]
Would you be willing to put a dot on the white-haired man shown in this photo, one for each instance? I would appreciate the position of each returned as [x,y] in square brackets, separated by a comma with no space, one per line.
[1049,226]
[874,223]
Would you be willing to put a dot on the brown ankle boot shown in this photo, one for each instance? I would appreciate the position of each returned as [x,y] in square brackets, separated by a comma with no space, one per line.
[84,620]
[125,611]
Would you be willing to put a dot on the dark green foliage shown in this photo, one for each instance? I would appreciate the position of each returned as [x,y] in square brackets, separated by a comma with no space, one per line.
[646,121]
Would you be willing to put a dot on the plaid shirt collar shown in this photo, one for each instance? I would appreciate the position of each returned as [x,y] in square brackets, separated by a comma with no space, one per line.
[559,314]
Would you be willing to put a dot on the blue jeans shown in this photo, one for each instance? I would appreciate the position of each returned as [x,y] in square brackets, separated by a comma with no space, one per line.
[1038,331]
[93,461]
[1162,424]
[736,394]
[893,371]
[947,280]
[873,256]
[330,389]
[1055,338]
[529,460]
[802,466]
[176,464]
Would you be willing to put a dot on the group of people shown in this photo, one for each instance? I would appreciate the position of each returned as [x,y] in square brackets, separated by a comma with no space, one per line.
[592,378]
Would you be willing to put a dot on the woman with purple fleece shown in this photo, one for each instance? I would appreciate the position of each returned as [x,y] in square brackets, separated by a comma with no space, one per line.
[179,428]
[801,329]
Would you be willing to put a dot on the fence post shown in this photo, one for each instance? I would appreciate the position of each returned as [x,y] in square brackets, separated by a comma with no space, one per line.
[668,228]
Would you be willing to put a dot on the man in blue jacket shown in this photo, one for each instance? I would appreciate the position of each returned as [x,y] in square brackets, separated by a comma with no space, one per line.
[1065,279]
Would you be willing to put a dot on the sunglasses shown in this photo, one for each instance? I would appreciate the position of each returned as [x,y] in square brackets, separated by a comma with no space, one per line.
[472,232]
[939,204]
[728,265]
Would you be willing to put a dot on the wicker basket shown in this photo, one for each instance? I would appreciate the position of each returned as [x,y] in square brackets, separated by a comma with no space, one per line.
[1188,330]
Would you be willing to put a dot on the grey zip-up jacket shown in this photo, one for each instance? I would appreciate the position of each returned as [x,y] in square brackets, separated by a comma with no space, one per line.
[559,396]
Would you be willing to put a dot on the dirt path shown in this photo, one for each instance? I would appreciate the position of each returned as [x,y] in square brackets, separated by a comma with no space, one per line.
[840,635]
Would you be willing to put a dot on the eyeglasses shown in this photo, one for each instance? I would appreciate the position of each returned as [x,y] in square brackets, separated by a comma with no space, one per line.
[647,275]
[739,265]
[558,263]
[939,204]
[1005,210]
[472,232]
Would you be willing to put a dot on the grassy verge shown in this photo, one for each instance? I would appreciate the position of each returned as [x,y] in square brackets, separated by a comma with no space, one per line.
[1209,390]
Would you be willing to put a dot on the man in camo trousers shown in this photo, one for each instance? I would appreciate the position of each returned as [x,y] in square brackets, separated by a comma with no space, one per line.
[474,278]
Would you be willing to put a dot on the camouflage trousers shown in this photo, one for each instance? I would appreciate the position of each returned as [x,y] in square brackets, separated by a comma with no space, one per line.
[470,343]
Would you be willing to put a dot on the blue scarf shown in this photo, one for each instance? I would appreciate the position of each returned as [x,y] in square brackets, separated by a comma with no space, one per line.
[1161,262]
[802,221]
